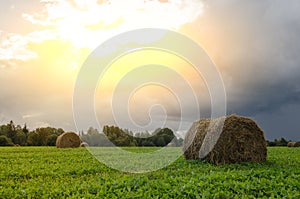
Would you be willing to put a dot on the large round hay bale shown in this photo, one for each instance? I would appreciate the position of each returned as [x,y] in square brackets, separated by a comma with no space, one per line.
[240,140]
[293,144]
[68,140]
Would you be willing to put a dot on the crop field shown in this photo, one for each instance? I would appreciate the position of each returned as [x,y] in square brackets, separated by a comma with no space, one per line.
[48,172]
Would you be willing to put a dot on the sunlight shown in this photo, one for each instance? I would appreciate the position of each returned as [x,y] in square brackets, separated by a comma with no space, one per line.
[88,23]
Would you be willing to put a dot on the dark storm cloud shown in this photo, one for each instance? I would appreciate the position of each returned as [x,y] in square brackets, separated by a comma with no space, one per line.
[258,46]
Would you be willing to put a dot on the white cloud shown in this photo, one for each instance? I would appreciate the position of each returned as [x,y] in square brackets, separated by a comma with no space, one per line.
[31,115]
[87,23]
[40,125]
[14,47]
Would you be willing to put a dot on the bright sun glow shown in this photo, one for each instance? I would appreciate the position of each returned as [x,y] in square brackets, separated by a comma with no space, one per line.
[71,29]
[87,23]
[64,32]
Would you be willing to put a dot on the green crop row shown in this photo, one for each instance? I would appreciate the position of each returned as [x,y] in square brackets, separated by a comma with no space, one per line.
[48,172]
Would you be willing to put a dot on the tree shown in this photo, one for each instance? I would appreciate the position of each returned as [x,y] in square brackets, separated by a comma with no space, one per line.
[51,140]
[282,142]
[5,141]
[11,130]
[92,131]
[160,142]
[147,142]
[4,130]
[162,137]
[120,137]
[59,131]
[94,138]
[32,139]
[25,130]
[43,136]
[20,138]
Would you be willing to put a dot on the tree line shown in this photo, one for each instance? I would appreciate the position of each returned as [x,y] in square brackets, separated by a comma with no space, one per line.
[11,134]
[278,142]
[112,135]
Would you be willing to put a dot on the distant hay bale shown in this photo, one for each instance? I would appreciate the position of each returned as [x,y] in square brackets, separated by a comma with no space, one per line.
[293,144]
[68,140]
[84,144]
[241,140]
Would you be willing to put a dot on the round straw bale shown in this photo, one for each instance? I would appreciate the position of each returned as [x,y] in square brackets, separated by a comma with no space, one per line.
[293,144]
[240,140]
[68,140]
[84,144]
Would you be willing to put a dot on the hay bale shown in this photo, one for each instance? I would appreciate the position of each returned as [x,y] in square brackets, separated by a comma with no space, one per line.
[241,140]
[68,140]
[293,144]
[84,144]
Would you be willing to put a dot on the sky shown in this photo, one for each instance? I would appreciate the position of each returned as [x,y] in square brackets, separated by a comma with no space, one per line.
[254,45]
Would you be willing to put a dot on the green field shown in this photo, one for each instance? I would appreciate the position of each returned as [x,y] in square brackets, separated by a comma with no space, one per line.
[48,172]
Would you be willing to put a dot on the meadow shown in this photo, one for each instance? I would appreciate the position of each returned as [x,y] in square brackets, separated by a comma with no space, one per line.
[48,172]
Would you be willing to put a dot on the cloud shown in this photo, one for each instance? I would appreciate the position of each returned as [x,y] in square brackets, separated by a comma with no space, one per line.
[14,47]
[255,44]
[41,124]
[87,23]
[260,52]
[82,24]
[31,115]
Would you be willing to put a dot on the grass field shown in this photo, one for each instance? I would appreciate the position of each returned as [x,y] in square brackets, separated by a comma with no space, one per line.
[48,172]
